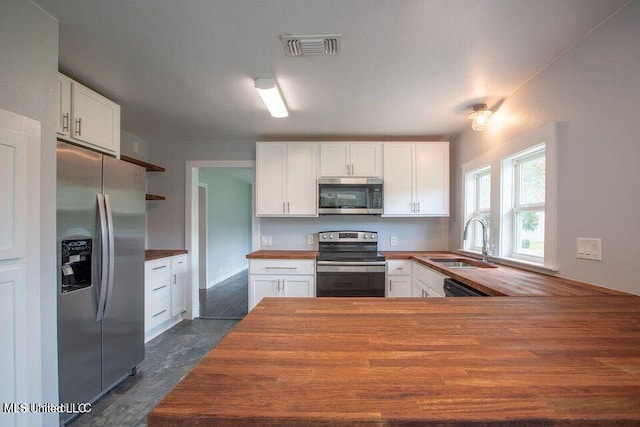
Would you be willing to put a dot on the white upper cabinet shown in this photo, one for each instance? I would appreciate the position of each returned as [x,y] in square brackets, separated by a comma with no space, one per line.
[286,179]
[88,118]
[362,159]
[416,179]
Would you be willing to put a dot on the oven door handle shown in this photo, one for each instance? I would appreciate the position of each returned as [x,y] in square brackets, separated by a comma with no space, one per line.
[349,263]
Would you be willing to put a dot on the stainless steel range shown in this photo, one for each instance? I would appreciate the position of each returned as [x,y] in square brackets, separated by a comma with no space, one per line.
[349,265]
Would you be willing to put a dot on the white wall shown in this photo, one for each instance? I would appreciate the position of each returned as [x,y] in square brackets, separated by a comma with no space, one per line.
[28,84]
[165,219]
[594,91]
[130,142]
[413,233]
[228,222]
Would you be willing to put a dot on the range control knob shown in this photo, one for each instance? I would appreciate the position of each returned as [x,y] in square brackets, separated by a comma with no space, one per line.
[324,236]
[366,236]
[331,236]
[373,236]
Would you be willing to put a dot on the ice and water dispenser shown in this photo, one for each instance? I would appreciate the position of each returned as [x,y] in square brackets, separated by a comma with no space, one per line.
[76,264]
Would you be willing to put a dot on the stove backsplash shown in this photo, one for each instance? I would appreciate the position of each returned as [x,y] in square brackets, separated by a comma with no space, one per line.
[413,234]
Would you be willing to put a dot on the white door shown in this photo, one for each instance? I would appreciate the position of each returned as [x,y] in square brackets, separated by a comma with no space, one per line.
[301,180]
[298,286]
[366,159]
[270,179]
[432,179]
[334,159]
[17,133]
[261,287]
[96,120]
[399,286]
[398,179]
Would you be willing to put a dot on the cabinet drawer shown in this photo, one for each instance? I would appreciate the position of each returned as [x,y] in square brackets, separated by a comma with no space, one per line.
[157,312]
[157,266]
[157,287]
[282,266]
[178,262]
[399,267]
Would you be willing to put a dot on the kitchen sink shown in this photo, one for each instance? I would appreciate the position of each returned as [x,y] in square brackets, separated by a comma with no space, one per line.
[460,263]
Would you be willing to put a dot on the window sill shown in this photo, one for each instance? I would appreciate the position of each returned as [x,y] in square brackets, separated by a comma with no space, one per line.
[512,262]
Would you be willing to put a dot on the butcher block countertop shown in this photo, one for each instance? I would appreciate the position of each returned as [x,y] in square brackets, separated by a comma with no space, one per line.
[151,254]
[502,280]
[522,361]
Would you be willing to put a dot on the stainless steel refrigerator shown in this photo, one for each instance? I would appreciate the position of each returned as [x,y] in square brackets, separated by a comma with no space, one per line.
[100,245]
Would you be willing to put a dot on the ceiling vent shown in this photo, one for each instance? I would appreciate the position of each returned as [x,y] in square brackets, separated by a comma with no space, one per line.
[311,45]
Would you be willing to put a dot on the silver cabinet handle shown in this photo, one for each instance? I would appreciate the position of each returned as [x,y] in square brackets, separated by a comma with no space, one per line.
[288,211]
[174,279]
[281,268]
[418,207]
[65,122]
[159,287]
[284,207]
[159,268]
[159,313]
[352,169]
[79,126]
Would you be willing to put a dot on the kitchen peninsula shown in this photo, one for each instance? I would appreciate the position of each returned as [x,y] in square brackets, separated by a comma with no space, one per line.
[534,361]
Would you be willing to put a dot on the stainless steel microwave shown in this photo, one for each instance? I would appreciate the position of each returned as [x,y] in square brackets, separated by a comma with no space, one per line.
[350,196]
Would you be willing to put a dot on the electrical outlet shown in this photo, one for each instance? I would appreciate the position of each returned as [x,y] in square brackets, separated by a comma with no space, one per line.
[589,248]
[394,241]
[267,240]
[136,147]
[310,239]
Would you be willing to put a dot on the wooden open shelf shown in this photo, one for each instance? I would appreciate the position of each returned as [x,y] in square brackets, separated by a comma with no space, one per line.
[154,197]
[150,167]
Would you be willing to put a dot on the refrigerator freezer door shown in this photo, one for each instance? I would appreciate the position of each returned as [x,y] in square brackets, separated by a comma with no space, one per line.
[123,323]
[79,334]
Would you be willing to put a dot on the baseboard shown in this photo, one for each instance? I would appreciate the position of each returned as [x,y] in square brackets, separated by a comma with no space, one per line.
[226,276]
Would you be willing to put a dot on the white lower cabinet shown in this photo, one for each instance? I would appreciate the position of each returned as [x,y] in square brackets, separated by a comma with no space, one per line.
[399,278]
[280,278]
[427,282]
[164,294]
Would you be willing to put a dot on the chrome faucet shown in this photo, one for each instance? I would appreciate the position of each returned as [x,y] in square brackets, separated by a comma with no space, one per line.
[485,237]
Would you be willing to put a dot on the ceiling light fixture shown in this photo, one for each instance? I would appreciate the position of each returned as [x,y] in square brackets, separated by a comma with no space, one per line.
[481,117]
[272,98]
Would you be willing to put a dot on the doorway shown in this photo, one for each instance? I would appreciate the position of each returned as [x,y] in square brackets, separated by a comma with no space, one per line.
[221,230]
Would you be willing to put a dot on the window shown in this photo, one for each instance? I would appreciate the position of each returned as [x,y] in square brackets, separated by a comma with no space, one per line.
[477,204]
[528,205]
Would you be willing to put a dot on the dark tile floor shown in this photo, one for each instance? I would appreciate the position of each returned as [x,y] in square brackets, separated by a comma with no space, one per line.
[226,300]
[168,358]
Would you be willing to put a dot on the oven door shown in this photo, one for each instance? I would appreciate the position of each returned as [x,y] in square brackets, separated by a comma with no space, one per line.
[349,280]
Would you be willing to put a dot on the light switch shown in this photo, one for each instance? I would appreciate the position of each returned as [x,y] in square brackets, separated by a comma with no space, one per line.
[310,239]
[394,241]
[267,240]
[589,248]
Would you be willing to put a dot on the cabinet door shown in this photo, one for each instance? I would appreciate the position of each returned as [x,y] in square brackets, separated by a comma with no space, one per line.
[13,193]
[298,286]
[96,120]
[399,286]
[262,286]
[178,295]
[301,180]
[432,179]
[419,289]
[366,160]
[398,179]
[270,179]
[64,105]
[334,159]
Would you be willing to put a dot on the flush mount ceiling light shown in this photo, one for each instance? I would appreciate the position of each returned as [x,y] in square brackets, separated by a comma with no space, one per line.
[481,117]
[272,98]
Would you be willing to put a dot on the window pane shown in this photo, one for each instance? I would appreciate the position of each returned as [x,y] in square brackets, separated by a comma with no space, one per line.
[530,233]
[532,180]
[484,191]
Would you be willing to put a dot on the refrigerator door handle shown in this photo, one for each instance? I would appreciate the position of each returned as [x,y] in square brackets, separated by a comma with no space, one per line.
[111,231]
[104,267]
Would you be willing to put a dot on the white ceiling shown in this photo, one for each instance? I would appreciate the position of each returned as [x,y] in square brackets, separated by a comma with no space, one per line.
[184,69]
